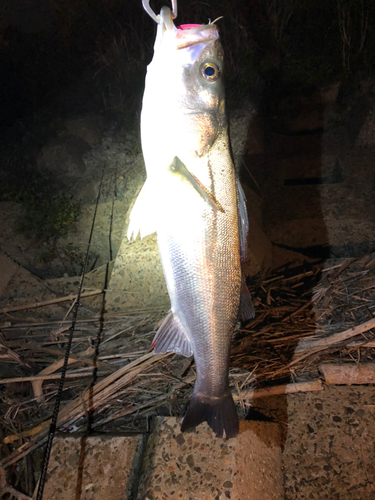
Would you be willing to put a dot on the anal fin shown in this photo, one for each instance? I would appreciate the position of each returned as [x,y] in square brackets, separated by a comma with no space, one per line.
[171,337]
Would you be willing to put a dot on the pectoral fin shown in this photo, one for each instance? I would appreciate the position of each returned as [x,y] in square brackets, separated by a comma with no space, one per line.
[180,171]
[142,218]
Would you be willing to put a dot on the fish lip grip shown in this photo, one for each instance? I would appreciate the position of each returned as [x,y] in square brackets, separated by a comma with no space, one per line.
[166,17]
[161,16]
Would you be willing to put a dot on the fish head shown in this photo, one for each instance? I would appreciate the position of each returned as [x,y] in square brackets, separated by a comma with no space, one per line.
[202,70]
[201,99]
[191,60]
[183,103]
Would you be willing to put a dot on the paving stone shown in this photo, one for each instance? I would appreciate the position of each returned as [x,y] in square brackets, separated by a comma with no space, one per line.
[7,269]
[259,249]
[329,448]
[198,466]
[137,278]
[93,468]
[19,287]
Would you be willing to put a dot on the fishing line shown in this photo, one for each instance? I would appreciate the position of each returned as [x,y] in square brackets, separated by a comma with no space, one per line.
[53,425]
[114,198]
[253,179]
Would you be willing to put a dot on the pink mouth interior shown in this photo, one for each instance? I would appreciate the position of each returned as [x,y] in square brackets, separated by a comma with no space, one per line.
[188,26]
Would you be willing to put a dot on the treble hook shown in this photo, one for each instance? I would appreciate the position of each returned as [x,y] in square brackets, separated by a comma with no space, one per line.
[151,13]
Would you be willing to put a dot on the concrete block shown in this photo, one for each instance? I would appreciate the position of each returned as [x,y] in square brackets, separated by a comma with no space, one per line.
[7,269]
[137,279]
[93,468]
[198,466]
[19,287]
[259,250]
[259,247]
[255,137]
[329,447]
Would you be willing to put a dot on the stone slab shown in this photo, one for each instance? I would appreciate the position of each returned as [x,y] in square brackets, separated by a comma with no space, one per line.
[255,136]
[137,279]
[93,468]
[7,269]
[198,466]
[329,448]
[19,287]
[259,250]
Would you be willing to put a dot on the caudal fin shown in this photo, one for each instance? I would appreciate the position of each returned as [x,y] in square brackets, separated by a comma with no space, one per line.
[219,413]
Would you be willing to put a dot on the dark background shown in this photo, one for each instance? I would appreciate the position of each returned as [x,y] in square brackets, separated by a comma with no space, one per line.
[64,56]
[62,59]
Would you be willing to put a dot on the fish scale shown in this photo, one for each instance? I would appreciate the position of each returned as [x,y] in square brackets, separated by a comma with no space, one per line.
[201,262]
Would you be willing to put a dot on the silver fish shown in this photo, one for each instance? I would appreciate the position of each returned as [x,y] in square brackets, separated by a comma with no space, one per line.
[191,199]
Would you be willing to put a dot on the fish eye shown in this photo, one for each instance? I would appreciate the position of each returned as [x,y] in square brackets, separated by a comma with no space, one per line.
[210,72]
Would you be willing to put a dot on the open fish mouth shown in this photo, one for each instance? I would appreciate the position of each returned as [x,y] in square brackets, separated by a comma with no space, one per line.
[187,37]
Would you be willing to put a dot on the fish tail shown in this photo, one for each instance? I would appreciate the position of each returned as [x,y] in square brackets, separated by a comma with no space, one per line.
[219,413]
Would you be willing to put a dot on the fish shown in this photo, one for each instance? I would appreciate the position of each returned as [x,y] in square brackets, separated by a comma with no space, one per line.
[193,201]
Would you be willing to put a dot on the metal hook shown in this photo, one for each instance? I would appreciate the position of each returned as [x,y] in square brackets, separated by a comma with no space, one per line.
[174,9]
[151,13]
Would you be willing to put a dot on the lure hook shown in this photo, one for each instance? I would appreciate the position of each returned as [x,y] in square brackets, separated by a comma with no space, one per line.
[151,13]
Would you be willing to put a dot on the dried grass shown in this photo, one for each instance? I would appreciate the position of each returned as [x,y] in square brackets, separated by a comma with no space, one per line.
[303,317]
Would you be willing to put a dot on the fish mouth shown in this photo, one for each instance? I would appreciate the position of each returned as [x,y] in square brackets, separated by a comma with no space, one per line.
[188,37]
[195,28]
[186,44]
